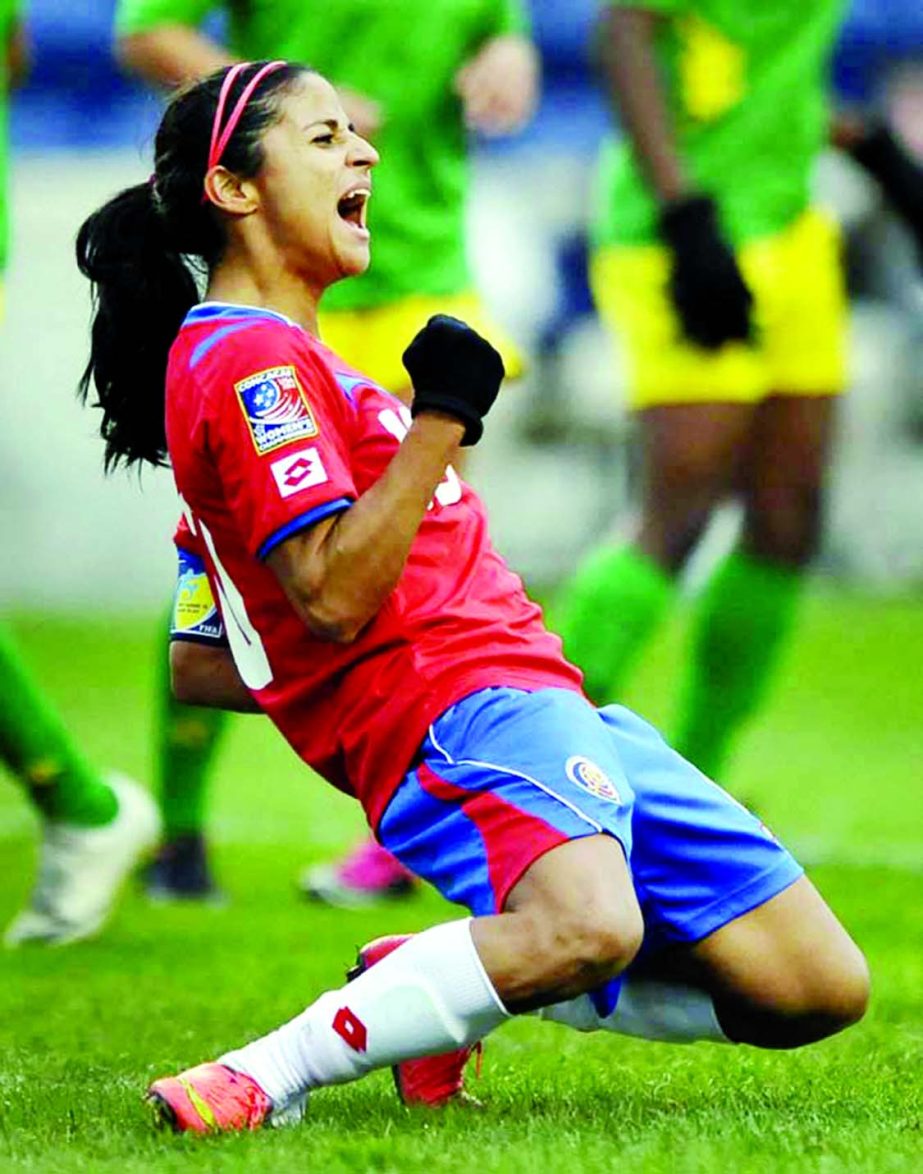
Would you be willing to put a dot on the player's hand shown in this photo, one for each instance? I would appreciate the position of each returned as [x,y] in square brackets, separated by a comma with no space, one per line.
[706,285]
[454,370]
[364,113]
[499,86]
[898,173]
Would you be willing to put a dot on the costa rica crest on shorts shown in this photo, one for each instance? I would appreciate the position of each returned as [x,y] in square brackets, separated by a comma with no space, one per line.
[591,778]
[275,408]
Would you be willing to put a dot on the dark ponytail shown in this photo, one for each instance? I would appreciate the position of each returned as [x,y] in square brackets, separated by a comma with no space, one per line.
[142,291]
[145,248]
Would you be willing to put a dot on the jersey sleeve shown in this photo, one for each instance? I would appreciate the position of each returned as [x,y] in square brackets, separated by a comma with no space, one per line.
[139,16]
[279,431]
[195,616]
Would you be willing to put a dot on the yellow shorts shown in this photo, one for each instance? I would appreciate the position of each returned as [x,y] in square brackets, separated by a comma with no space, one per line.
[373,340]
[799,316]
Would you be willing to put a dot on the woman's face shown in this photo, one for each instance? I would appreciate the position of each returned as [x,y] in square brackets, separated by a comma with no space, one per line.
[315,184]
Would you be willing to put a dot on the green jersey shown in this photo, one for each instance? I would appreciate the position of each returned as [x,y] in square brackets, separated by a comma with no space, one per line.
[9,14]
[746,84]
[404,54]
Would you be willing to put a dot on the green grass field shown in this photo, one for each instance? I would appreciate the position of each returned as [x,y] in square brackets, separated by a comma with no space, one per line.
[834,765]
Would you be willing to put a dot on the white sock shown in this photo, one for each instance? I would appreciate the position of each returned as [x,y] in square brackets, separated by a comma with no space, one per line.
[428,996]
[665,1011]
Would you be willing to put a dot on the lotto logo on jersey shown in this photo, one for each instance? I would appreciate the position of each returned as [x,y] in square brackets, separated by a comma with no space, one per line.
[591,778]
[299,470]
[275,408]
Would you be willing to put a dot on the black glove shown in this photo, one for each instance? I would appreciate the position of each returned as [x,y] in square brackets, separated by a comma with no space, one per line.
[453,370]
[706,285]
[900,176]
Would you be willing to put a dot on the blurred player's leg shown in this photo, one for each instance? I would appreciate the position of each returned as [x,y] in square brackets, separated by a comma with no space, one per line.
[748,608]
[187,738]
[741,621]
[38,750]
[612,606]
[694,408]
[617,598]
[94,828]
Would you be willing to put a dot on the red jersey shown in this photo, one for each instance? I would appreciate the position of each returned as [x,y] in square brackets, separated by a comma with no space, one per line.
[269,432]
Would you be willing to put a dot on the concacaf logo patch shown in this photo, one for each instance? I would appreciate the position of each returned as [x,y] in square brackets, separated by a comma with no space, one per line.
[275,408]
[592,778]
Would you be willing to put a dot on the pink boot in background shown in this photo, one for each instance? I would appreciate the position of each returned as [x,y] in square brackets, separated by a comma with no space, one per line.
[369,874]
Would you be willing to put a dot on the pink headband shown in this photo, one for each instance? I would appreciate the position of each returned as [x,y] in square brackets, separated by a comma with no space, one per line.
[220,140]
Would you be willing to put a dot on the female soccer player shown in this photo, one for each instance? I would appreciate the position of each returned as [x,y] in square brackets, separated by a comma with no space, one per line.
[612,886]
[413,76]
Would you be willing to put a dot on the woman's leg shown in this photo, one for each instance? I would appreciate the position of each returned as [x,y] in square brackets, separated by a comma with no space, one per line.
[738,943]
[691,456]
[785,974]
[748,607]
[781,976]
[571,923]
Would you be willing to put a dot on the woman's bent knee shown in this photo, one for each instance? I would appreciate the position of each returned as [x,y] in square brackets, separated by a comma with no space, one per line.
[812,1008]
[844,997]
[591,947]
[569,925]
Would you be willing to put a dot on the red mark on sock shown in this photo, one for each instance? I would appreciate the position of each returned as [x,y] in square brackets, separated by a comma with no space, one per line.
[351,1029]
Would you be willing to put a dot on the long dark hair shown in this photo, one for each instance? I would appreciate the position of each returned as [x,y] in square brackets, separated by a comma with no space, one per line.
[144,250]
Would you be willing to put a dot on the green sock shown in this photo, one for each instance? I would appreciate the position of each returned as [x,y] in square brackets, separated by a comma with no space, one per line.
[36,747]
[609,610]
[742,617]
[187,738]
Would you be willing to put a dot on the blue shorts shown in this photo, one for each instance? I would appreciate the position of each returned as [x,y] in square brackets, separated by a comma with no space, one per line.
[506,775]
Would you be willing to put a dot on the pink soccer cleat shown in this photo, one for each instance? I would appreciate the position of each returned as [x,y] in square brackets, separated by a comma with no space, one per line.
[432,1081]
[208,1099]
[369,874]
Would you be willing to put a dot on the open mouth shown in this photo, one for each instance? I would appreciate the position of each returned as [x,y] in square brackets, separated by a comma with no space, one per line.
[352,208]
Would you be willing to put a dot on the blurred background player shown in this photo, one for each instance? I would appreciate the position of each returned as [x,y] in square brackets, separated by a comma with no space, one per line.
[415,78]
[724,284]
[93,828]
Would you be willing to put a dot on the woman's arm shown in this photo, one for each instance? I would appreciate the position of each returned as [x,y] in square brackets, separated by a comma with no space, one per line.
[205,674]
[499,86]
[633,78]
[706,286]
[171,54]
[338,573]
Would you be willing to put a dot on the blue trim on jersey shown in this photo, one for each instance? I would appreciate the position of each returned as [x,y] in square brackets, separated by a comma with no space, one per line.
[349,383]
[302,522]
[226,311]
[213,339]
